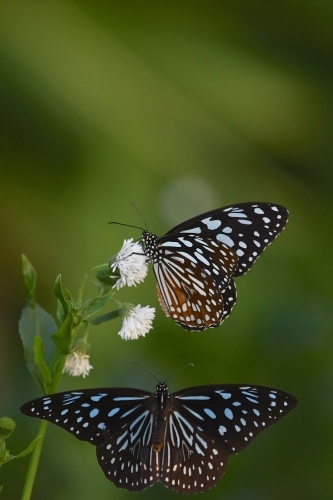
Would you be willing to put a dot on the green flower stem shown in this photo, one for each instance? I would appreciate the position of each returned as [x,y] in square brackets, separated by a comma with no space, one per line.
[86,276]
[86,332]
[57,375]
[33,465]
[34,460]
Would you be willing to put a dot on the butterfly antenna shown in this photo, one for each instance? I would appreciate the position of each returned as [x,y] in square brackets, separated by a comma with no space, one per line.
[144,369]
[139,213]
[127,225]
[179,369]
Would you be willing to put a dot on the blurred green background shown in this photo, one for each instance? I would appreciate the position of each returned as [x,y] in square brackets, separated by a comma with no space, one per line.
[179,107]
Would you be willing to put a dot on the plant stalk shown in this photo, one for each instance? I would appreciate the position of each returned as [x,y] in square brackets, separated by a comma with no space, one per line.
[85,277]
[33,464]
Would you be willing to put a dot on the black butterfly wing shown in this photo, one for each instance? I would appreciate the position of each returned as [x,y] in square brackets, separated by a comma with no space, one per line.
[247,228]
[118,421]
[229,295]
[183,439]
[191,462]
[191,274]
[234,414]
[210,423]
[90,413]
[127,457]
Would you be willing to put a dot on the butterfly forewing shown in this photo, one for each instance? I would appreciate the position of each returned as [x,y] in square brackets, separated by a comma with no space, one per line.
[183,439]
[234,414]
[248,228]
[194,262]
[90,412]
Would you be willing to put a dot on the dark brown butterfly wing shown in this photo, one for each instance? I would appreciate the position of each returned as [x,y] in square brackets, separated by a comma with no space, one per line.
[191,284]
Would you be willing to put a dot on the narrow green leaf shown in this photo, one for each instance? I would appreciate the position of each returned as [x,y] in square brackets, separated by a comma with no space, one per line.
[63,304]
[62,338]
[105,317]
[39,360]
[30,279]
[95,306]
[27,451]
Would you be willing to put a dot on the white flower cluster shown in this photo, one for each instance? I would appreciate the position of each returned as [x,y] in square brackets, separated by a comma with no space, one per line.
[131,263]
[132,266]
[77,364]
[137,322]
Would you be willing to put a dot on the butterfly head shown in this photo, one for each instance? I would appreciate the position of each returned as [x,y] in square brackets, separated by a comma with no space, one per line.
[162,393]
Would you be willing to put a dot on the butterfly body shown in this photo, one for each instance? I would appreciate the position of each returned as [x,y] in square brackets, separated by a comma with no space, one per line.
[196,261]
[182,439]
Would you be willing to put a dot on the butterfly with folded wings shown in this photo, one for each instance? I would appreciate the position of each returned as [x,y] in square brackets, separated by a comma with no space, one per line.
[196,261]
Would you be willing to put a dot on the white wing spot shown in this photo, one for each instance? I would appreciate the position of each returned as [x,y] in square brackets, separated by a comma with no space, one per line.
[222,430]
[225,239]
[211,224]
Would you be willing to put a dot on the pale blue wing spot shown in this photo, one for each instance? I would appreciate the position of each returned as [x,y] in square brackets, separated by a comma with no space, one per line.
[228,413]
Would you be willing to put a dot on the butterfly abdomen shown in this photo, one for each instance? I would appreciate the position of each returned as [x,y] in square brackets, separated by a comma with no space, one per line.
[159,432]
[162,398]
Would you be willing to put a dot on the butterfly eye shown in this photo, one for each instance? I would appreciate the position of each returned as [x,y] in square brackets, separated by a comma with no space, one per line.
[196,261]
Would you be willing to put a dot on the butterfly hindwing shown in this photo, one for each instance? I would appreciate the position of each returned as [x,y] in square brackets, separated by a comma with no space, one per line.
[229,294]
[191,294]
[225,297]
[192,463]
[127,457]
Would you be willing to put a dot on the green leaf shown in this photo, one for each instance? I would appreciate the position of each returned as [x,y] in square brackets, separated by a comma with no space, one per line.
[30,279]
[105,317]
[62,338]
[63,305]
[27,451]
[94,306]
[39,360]
[35,321]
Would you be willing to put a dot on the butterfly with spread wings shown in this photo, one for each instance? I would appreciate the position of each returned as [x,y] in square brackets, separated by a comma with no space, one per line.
[182,439]
[196,261]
